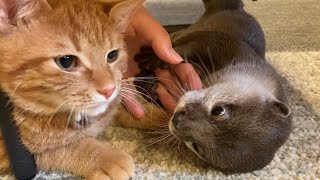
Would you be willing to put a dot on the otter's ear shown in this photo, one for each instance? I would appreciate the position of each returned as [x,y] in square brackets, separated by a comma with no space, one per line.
[121,12]
[280,108]
[21,11]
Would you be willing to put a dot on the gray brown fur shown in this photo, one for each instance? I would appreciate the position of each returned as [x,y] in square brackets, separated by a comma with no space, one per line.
[257,120]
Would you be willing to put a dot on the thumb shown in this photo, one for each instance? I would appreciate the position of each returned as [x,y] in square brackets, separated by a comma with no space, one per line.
[155,35]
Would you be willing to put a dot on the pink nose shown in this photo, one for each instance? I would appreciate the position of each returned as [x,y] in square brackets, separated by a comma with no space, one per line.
[107,92]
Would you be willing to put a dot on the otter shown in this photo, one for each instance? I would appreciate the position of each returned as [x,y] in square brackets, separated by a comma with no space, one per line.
[239,121]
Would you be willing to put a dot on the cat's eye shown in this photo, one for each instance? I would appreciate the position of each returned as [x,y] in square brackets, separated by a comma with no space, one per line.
[66,63]
[218,111]
[113,56]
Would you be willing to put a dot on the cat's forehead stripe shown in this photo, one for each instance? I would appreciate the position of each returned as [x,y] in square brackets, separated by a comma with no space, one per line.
[28,65]
[75,41]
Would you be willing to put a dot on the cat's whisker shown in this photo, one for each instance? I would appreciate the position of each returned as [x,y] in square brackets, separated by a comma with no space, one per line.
[145,110]
[86,115]
[179,88]
[70,116]
[126,107]
[137,93]
[57,109]
[149,96]
[122,95]
[163,114]
[13,92]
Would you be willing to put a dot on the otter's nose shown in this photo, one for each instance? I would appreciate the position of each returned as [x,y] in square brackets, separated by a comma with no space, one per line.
[178,116]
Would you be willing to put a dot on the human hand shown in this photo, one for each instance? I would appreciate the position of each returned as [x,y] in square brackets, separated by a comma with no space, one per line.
[144,30]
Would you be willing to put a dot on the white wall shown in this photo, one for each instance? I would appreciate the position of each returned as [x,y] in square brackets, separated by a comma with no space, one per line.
[175,12]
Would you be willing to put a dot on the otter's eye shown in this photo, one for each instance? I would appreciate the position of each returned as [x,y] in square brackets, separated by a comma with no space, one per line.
[113,56]
[218,111]
[66,63]
[195,147]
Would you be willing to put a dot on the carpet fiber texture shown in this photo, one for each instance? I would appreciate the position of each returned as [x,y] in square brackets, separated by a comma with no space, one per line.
[292,29]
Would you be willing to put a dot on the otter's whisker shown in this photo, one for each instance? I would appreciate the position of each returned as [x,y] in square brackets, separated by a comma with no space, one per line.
[211,59]
[161,139]
[161,79]
[174,143]
[205,67]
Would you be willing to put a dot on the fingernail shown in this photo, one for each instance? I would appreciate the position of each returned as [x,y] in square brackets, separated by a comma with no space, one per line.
[175,56]
[3,14]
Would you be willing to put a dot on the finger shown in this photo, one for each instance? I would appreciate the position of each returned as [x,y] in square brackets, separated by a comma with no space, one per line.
[133,47]
[3,9]
[151,31]
[188,76]
[133,104]
[169,82]
[165,98]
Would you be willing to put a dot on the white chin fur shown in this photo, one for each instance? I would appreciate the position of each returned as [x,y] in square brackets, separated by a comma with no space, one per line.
[102,104]
[95,111]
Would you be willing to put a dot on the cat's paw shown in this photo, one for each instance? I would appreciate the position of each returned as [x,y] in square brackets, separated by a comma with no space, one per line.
[117,165]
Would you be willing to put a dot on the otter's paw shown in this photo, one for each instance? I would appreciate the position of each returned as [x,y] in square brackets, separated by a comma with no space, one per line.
[146,81]
[148,60]
[116,165]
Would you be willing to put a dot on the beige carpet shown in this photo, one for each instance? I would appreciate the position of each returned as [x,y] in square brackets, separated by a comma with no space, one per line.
[292,28]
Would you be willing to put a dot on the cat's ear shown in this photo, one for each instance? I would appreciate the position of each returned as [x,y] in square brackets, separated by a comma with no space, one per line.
[17,11]
[5,26]
[279,108]
[121,12]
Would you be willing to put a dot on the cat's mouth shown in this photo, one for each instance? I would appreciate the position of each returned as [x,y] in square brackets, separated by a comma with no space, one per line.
[85,116]
[95,110]
[82,120]
[99,107]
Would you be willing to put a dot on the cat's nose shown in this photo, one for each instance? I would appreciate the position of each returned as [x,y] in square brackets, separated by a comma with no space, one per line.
[178,116]
[107,91]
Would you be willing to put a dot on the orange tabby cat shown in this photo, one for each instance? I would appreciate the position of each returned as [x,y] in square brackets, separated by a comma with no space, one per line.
[61,64]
